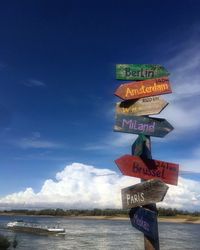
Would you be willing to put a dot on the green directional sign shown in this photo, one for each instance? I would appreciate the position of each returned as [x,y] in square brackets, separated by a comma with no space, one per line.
[139,71]
[138,147]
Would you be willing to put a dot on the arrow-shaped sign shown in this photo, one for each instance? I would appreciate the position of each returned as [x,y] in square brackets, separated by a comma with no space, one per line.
[142,125]
[143,106]
[139,148]
[139,71]
[145,221]
[151,87]
[148,169]
[144,193]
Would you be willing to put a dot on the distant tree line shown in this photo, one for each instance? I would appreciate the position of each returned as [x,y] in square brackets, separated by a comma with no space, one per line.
[69,212]
[174,212]
[94,212]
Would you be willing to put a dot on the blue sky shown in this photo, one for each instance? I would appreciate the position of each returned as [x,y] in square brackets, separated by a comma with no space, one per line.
[57,84]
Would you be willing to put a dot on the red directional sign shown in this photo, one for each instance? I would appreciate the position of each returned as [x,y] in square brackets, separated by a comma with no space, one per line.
[148,169]
[150,87]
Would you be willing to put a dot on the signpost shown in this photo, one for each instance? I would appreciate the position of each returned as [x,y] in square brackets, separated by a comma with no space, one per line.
[142,125]
[144,106]
[142,98]
[139,71]
[151,87]
[145,221]
[148,168]
[143,193]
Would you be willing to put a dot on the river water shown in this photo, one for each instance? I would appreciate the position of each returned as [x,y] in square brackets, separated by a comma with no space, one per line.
[101,235]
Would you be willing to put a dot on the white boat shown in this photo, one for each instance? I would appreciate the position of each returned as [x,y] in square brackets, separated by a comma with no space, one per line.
[34,228]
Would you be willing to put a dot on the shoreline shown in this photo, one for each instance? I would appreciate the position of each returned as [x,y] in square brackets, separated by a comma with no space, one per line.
[185,219]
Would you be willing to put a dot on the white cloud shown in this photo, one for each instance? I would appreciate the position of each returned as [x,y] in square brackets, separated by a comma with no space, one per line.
[34,83]
[77,186]
[120,139]
[87,187]
[113,140]
[34,141]
[183,109]
[185,196]
[182,119]
[190,164]
[26,143]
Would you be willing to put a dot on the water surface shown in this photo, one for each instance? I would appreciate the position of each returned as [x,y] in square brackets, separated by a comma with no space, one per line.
[101,235]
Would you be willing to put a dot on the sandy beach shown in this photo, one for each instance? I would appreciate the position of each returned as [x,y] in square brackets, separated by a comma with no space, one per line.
[175,219]
[193,220]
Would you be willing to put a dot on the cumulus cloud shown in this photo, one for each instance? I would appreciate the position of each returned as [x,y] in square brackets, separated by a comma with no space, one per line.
[77,186]
[185,196]
[87,187]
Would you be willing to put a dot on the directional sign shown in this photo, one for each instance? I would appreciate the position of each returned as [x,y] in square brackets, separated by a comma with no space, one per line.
[139,71]
[144,193]
[148,169]
[145,221]
[138,147]
[142,125]
[143,106]
[151,87]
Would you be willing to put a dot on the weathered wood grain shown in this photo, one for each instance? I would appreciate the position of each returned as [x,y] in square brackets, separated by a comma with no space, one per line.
[142,125]
[148,168]
[143,106]
[143,193]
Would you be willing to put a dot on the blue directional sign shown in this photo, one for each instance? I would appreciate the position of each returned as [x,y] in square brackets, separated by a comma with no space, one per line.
[145,221]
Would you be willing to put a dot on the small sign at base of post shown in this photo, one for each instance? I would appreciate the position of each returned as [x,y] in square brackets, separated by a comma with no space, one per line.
[145,221]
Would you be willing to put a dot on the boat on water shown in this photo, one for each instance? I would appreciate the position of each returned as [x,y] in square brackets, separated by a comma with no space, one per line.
[35,228]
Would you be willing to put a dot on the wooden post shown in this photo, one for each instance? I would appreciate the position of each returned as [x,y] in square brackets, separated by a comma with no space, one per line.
[149,244]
